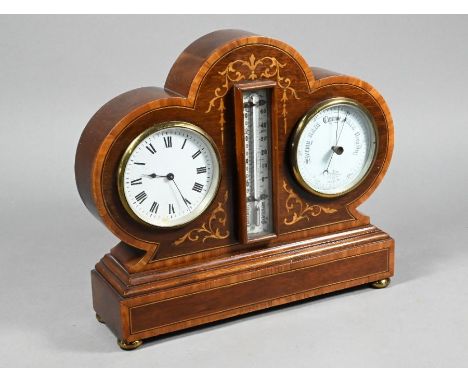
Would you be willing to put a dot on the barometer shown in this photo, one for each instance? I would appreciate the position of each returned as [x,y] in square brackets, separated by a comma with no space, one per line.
[333,147]
[233,188]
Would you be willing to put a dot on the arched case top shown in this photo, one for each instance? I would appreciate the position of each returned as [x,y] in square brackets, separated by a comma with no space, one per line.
[203,88]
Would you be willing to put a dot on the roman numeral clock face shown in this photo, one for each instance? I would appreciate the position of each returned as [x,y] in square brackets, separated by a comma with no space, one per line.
[169,175]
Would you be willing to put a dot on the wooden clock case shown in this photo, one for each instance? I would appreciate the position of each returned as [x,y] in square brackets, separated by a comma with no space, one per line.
[157,281]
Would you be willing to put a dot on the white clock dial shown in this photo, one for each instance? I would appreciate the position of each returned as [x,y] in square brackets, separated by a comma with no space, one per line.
[169,175]
[334,147]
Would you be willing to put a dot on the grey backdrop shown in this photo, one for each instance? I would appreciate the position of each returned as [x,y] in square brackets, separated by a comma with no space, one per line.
[55,72]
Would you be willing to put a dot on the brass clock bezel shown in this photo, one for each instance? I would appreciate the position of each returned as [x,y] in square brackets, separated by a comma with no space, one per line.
[210,196]
[300,129]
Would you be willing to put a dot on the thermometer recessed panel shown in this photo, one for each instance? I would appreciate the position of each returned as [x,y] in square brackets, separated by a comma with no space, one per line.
[257,157]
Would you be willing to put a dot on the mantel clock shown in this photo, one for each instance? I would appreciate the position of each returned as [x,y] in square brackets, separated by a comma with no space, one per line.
[234,188]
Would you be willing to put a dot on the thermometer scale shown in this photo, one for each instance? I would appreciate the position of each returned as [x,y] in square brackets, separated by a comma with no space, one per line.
[257,155]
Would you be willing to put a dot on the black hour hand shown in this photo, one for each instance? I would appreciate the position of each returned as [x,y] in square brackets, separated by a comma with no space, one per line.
[153,176]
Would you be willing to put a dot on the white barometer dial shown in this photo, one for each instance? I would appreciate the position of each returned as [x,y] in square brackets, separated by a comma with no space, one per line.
[334,147]
[169,174]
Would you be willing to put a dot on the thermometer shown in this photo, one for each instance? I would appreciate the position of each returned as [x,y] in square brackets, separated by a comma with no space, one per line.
[257,146]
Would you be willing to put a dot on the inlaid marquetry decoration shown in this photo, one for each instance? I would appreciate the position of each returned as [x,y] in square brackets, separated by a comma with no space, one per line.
[228,187]
[214,228]
[239,70]
[299,210]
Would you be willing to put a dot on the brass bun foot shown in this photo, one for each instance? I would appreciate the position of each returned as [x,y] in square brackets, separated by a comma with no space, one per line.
[380,284]
[124,345]
[98,317]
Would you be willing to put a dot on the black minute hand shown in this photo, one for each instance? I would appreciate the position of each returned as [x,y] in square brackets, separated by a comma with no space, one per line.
[178,189]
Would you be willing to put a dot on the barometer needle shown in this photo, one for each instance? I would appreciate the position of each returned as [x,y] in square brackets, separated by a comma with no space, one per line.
[336,149]
[342,126]
[329,161]
[337,122]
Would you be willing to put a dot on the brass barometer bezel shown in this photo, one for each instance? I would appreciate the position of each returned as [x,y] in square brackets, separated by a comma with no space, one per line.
[300,129]
[211,194]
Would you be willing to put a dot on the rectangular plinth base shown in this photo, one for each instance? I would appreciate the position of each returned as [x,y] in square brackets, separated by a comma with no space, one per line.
[241,285]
